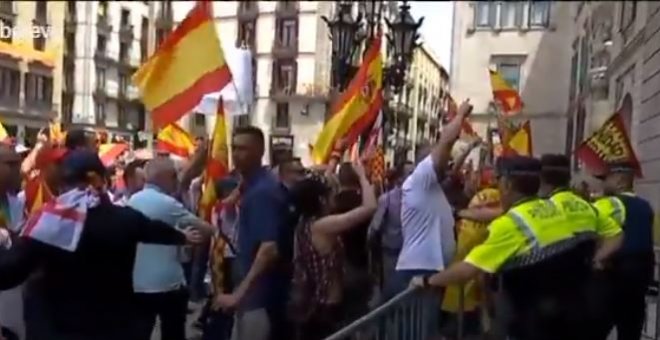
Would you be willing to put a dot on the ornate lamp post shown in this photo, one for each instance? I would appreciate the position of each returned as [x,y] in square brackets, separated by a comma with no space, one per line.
[344,35]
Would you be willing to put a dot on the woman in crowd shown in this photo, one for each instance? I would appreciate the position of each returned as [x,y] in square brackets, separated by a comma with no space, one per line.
[317,298]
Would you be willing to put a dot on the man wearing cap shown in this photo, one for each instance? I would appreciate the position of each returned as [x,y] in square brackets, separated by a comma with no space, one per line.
[630,271]
[528,247]
[83,248]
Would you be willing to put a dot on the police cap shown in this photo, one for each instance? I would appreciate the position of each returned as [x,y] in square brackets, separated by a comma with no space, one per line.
[517,166]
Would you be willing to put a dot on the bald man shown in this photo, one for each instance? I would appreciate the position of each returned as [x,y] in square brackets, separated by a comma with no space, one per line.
[158,278]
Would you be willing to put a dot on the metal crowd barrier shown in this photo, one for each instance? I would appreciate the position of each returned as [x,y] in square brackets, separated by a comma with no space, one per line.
[403,317]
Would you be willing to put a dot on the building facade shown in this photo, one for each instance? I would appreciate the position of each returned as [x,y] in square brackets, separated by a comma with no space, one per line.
[430,83]
[616,51]
[105,43]
[30,66]
[528,42]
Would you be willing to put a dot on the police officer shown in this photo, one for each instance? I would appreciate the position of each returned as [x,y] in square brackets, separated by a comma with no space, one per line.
[630,270]
[540,263]
[555,185]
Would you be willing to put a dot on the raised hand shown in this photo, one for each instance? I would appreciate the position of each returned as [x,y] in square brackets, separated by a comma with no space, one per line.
[465,109]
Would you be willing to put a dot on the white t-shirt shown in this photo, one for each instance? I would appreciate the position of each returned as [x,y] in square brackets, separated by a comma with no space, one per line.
[427,222]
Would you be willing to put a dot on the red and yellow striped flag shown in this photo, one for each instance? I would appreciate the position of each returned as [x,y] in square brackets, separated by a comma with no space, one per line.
[175,140]
[217,165]
[356,108]
[505,95]
[520,142]
[56,135]
[37,194]
[188,64]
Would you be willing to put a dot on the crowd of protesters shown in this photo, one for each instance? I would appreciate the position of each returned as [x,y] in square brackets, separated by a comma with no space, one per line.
[292,252]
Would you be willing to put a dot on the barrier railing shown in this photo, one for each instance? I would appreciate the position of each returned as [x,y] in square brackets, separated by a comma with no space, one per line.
[652,322]
[404,317]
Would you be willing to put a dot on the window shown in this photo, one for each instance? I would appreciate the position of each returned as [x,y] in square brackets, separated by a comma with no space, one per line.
[282,116]
[246,34]
[124,52]
[41,11]
[71,9]
[584,64]
[485,14]
[101,44]
[103,9]
[288,32]
[70,43]
[7,25]
[68,78]
[38,89]
[10,80]
[628,13]
[99,106]
[144,39]
[7,7]
[125,17]
[511,14]
[539,13]
[286,76]
[121,116]
[67,109]
[39,43]
[100,78]
[200,120]
[574,76]
[510,71]
[160,36]
[123,84]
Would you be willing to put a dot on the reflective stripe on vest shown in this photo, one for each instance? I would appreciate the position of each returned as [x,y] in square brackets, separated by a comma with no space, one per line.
[617,210]
[526,229]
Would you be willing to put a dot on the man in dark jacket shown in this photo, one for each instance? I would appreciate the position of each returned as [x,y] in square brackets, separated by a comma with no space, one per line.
[85,292]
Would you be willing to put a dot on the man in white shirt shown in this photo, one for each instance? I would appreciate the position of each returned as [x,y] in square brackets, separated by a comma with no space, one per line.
[427,223]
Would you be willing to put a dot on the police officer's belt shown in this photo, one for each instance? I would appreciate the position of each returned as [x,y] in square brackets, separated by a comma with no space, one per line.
[538,255]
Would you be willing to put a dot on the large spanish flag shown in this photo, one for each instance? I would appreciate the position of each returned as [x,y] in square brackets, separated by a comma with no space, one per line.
[357,107]
[175,140]
[187,65]
[217,164]
[504,94]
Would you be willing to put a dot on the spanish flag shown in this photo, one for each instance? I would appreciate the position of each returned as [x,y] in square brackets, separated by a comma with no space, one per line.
[175,140]
[217,164]
[37,194]
[520,142]
[357,107]
[452,111]
[188,64]
[506,96]
[4,136]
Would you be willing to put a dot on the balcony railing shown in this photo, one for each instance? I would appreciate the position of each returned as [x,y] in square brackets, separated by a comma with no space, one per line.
[126,33]
[103,24]
[102,56]
[285,50]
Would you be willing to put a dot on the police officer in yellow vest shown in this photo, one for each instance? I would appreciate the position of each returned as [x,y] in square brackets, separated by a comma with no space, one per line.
[630,270]
[542,266]
[555,185]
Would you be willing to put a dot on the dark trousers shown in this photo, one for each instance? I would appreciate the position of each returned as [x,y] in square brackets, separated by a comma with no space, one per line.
[217,324]
[198,270]
[169,307]
[624,287]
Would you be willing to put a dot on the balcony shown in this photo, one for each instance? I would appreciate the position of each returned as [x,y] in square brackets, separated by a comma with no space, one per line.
[307,93]
[284,50]
[102,57]
[100,92]
[103,25]
[10,104]
[69,24]
[247,11]
[126,34]
[129,94]
[164,20]
[39,108]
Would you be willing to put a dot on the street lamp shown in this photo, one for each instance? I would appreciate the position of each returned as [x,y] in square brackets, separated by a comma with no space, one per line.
[343,33]
[373,12]
[402,37]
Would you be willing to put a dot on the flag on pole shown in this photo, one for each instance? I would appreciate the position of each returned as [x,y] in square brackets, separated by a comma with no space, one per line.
[175,140]
[37,194]
[217,165]
[520,142]
[505,95]
[356,108]
[4,136]
[188,64]
[56,135]
[109,152]
[452,112]
[610,144]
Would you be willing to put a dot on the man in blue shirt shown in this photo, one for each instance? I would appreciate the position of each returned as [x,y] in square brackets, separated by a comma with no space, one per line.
[260,217]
